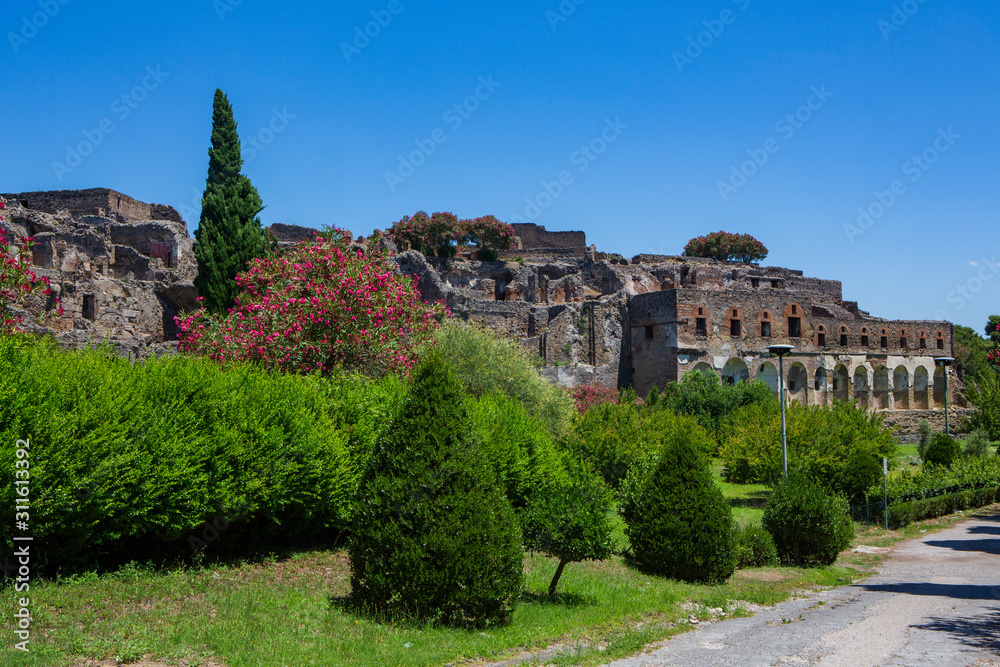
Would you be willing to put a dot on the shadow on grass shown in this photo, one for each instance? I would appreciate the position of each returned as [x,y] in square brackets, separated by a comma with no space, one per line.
[558,600]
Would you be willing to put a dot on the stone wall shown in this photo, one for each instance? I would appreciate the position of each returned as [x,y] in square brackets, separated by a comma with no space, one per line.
[535,236]
[101,202]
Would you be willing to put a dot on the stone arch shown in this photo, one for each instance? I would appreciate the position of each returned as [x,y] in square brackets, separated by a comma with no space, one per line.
[735,323]
[768,372]
[841,383]
[862,387]
[901,388]
[821,386]
[880,389]
[921,384]
[798,383]
[703,367]
[735,371]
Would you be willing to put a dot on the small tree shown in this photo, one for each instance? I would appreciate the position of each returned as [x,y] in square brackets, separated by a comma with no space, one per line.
[443,233]
[942,451]
[318,308]
[810,526]
[678,522]
[724,246]
[433,538]
[229,233]
[570,521]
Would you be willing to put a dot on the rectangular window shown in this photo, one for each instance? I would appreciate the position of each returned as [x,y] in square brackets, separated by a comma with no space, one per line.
[940,343]
[778,284]
[816,385]
[755,282]
[836,384]
[821,339]
[923,343]
[765,329]
[884,342]
[649,332]
[843,340]
[89,307]
[864,341]
[735,329]
[701,327]
[794,327]
[903,343]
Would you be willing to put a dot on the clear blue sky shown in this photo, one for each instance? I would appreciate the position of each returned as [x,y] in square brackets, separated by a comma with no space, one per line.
[885,85]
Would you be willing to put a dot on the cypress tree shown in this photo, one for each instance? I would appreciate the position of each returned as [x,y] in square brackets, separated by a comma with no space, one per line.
[229,233]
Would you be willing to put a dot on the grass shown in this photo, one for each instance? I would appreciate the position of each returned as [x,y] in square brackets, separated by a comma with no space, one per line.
[747,500]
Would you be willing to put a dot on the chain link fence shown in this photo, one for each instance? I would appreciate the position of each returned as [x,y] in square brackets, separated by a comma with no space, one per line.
[872,513]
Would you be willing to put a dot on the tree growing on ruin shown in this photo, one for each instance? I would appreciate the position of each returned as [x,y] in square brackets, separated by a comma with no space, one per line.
[320,307]
[725,247]
[229,233]
[442,234]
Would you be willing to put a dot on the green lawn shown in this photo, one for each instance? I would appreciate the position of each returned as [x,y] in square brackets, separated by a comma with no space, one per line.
[747,499]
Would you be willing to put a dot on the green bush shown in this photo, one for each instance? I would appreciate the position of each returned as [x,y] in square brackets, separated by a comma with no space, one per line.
[485,363]
[984,393]
[677,520]
[133,462]
[810,526]
[966,473]
[942,451]
[433,537]
[755,548]
[570,521]
[904,513]
[612,436]
[707,399]
[926,435]
[977,443]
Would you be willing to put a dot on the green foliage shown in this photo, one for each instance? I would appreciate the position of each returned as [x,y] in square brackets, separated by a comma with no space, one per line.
[984,393]
[711,402]
[613,436]
[130,461]
[433,537]
[942,451]
[971,353]
[904,513]
[484,362]
[570,521]
[810,525]
[755,548]
[966,473]
[977,443]
[926,434]
[837,447]
[678,522]
[229,233]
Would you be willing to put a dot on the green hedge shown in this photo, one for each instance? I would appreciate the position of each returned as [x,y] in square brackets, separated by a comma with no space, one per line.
[965,474]
[905,513]
[157,459]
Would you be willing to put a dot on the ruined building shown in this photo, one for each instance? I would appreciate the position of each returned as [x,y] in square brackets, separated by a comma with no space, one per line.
[123,269]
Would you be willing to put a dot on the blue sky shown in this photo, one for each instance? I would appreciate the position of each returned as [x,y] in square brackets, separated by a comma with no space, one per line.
[662,120]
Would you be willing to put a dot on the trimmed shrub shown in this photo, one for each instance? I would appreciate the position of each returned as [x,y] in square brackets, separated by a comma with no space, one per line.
[484,363]
[810,526]
[942,451]
[755,548]
[131,462]
[433,537]
[677,520]
[570,521]
[904,513]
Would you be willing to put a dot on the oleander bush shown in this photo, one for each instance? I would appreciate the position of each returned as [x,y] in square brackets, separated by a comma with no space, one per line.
[130,461]
[809,524]
[677,520]
[433,538]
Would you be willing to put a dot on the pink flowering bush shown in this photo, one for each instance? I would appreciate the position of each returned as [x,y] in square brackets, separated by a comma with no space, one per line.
[17,280]
[591,395]
[443,234]
[316,309]
[994,356]
[724,247]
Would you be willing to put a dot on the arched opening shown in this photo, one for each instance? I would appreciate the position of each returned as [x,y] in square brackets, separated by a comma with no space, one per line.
[768,373]
[904,339]
[820,386]
[766,324]
[901,388]
[703,367]
[820,336]
[921,381]
[735,323]
[861,387]
[865,337]
[735,371]
[793,321]
[841,385]
[939,387]
[883,339]
[880,388]
[798,383]
[939,340]
[922,339]
[844,336]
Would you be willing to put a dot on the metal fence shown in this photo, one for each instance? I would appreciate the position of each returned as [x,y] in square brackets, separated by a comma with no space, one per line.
[872,513]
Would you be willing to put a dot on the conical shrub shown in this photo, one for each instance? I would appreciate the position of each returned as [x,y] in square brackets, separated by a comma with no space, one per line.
[677,519]
[433,537]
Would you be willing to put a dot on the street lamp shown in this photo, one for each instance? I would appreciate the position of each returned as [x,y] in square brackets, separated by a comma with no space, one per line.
[943,363]
[781,351]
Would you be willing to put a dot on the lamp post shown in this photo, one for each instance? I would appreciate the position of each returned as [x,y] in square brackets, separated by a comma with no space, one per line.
[943,363]
[781,351]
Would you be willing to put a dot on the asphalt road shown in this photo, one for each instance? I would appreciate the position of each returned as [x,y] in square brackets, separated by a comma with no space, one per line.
[935,601]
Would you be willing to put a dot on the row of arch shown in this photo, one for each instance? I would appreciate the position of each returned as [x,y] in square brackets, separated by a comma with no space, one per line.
[879,389]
